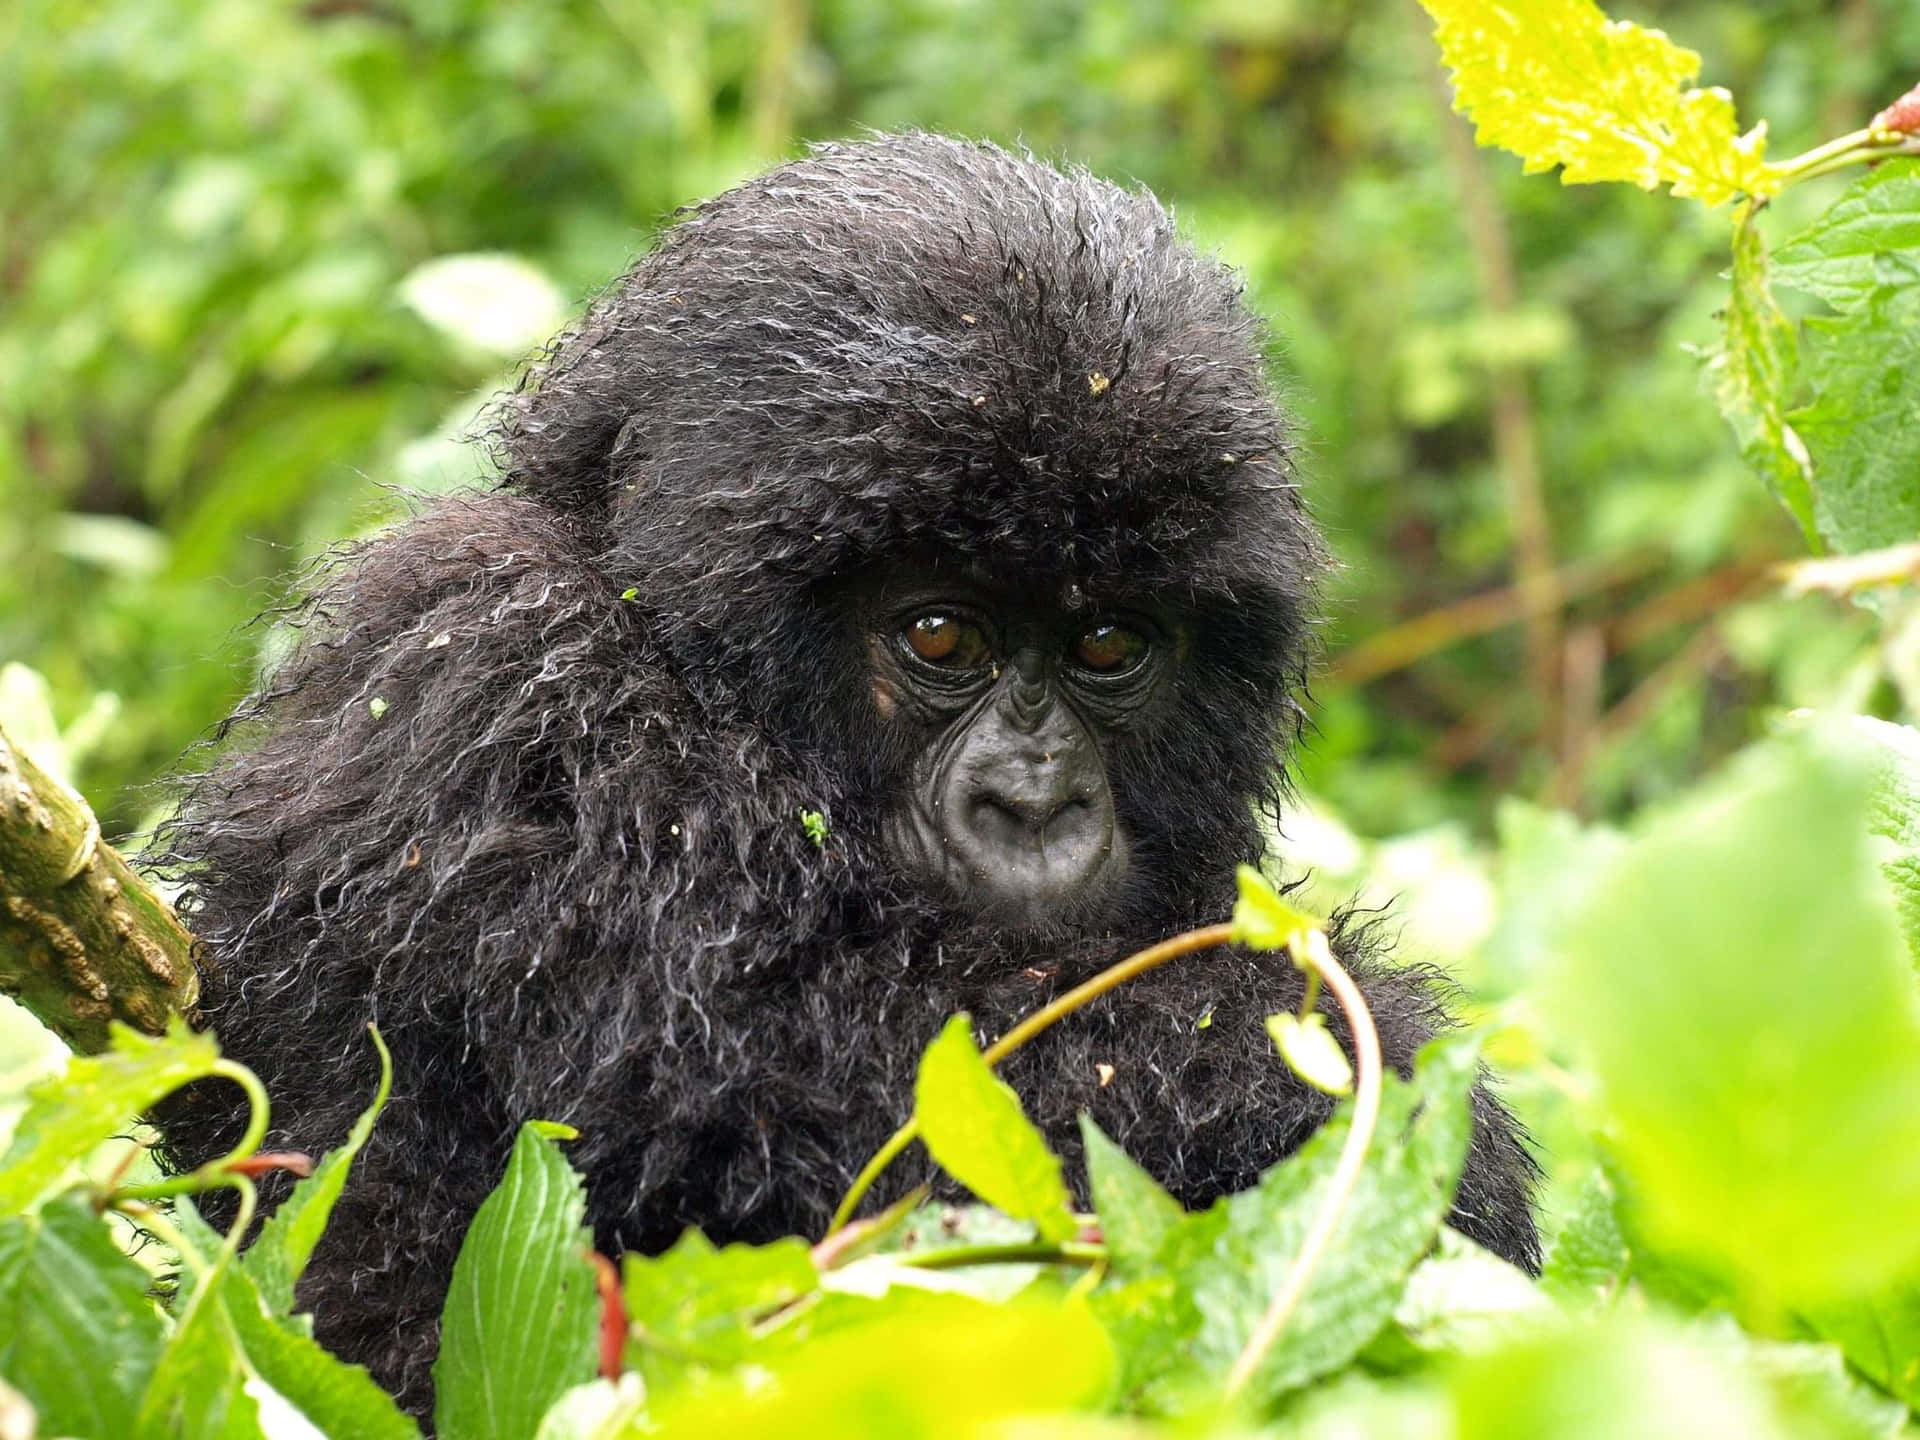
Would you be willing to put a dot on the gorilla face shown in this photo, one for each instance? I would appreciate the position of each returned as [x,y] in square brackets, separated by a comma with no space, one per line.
[1008,703]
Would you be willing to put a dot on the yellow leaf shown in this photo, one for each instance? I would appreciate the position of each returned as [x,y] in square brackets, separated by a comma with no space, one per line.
[1558,83]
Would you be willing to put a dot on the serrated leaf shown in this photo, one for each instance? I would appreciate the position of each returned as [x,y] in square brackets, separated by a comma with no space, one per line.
[1764,1107]
[695,1304]
[1262,920]
[277,1259]
[520,1325]
[96,1097]
[1880,1337]
[1752,370]
[1136,1215]
[1864,370]
[1311,1052]
[199,1387]
[1558,83]
[340,1400]
[972,1124]
[79,1333]
[1842,257]
[1226,1263]
[1588,1260]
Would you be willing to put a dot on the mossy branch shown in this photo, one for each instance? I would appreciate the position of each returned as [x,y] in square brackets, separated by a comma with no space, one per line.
[83,940]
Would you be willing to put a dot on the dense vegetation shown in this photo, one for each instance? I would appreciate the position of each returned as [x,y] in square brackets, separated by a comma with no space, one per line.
[279,256]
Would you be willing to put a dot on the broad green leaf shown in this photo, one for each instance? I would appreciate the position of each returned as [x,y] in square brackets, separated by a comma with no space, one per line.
[927,1366]
[1262,920]
[79,1332]
[1867,238]
[1547,859]
[521,1319]
[278,1257]
[1619,1377]
[1751,371]
[1893,806]
[340,1400]
[1558,83]
[1311,1052]
[1222,1266]
[1136,1215]
[1880,1337]
[199,1387]
[1864,369]
[696,1305]
[95,1098]
[1739,987]
[1587,1263]
[974,1127]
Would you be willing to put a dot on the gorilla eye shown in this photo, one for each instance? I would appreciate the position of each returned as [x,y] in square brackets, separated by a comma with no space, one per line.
[1109,649]
[946,641]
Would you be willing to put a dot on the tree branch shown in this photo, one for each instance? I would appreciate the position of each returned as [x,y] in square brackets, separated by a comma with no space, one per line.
[83,940]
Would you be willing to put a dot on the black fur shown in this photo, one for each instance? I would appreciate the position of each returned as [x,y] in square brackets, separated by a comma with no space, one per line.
[564,866]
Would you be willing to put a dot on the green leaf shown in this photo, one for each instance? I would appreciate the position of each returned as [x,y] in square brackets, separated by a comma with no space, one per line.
[1462,1298]
[1880,1336]
[199,1389]
[1588,1261]
[276,1260]
[521,1319]
[1864,369]
[1136,1215]
[1261,919]
[1867,238]
[79,1332]
[1558,83]
[95,1098]
[340,1400]
[974,1127]
[1311,1052]
[1221,1267]
[936,1367]
[1752,370]
[697,1304]
[1740,990]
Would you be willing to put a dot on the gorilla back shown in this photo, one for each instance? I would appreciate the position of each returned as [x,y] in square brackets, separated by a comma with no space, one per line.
[916,484]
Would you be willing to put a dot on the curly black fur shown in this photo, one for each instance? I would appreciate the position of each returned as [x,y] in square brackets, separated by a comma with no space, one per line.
[563,866]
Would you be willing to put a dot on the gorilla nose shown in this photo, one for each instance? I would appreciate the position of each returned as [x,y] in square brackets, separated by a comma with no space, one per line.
[1035,820]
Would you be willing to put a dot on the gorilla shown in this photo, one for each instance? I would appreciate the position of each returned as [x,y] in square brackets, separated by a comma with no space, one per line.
[895,599]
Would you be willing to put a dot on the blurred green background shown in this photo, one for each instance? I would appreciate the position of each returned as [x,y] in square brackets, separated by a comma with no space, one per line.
[262,264]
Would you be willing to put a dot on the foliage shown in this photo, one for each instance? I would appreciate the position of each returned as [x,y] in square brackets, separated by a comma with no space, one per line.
[316,268]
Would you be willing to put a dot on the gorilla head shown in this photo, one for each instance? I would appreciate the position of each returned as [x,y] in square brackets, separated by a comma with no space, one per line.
[916,484]
[964,473]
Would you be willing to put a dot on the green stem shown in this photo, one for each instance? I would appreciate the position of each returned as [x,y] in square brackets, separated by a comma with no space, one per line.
[1858,147]
[1152,958]
[1346,1173]
[215,1172]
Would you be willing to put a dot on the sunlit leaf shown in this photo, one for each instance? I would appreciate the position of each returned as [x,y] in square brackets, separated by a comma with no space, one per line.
[1558,83]
[973,1125]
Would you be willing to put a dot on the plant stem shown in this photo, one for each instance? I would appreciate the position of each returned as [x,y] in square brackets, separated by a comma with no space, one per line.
[1139,963]
[1353,1154]
[215,1172]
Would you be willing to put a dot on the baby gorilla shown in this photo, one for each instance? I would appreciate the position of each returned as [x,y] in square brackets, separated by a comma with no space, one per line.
[914,486]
